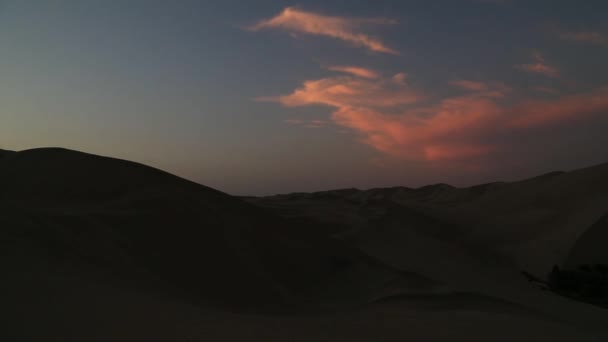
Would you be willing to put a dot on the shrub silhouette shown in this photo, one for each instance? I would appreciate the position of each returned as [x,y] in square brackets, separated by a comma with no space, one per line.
[588,283]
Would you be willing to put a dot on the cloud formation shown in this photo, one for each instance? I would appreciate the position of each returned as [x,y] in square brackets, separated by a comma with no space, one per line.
[585,37]
[400,121]
[356,71]
[491,89]
[566,109]
[539,66]
[351,91]
[297,21]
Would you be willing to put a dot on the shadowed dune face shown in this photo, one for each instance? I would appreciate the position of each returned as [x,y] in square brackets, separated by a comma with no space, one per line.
[141,221]
[590,248]
[5,153]
[62,176]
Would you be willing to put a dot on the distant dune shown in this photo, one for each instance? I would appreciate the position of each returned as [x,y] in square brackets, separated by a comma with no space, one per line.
[534,223]
[101,249]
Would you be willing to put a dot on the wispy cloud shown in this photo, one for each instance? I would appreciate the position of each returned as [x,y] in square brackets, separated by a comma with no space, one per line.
[315,123]
[566,109]
[490,89]
[356,71]
[539,66]
[350,91]
[400,121]
[585,36]
[343,28]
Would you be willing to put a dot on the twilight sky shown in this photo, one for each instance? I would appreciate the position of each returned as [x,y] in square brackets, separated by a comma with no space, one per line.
[262,97]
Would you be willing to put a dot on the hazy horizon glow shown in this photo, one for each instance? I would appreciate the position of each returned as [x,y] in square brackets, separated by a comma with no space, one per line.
[274,98]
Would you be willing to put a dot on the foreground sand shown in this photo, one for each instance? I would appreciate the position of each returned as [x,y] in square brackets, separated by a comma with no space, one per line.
[45,305]
[97,249]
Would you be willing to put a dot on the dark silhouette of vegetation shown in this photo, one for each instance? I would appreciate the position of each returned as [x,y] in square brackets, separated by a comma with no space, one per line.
[587,283]
[533,279]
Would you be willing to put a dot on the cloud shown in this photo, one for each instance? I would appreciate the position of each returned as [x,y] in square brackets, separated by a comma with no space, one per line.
[539,66]
[356,71]
[491,89]
[399,121]
[351,91]
[455,152]
[584,36]
[424,132]
[315,123]
[296,21]
[400,78]
[566,109]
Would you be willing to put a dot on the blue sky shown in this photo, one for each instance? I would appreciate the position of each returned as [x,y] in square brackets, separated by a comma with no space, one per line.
[192,88]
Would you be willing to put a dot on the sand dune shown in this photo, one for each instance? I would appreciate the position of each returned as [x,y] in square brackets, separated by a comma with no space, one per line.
[95,248]
[129,217]
[534,223]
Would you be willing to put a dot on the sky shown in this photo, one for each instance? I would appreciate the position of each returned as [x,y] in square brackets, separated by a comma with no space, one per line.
[265,97]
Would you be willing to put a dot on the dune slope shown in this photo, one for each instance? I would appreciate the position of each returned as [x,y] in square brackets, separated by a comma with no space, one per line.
[134,220]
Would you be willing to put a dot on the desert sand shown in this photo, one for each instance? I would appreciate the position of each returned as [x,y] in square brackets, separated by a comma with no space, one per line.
[101,249]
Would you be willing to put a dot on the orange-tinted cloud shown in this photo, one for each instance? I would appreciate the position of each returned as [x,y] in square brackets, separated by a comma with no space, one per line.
[585,36]
[539,66]
[346,29]
[423,133]
[356,71]
[349,91]
[568,108]
[397,120]
[455,151]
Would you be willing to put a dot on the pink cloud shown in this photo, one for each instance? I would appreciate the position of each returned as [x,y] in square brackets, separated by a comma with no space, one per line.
[346,29]
[397,120]
[584,36]
[570,108]
[455,152]
[539,66]
[356,71]
[425,132]
[347,91]
[400,78]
